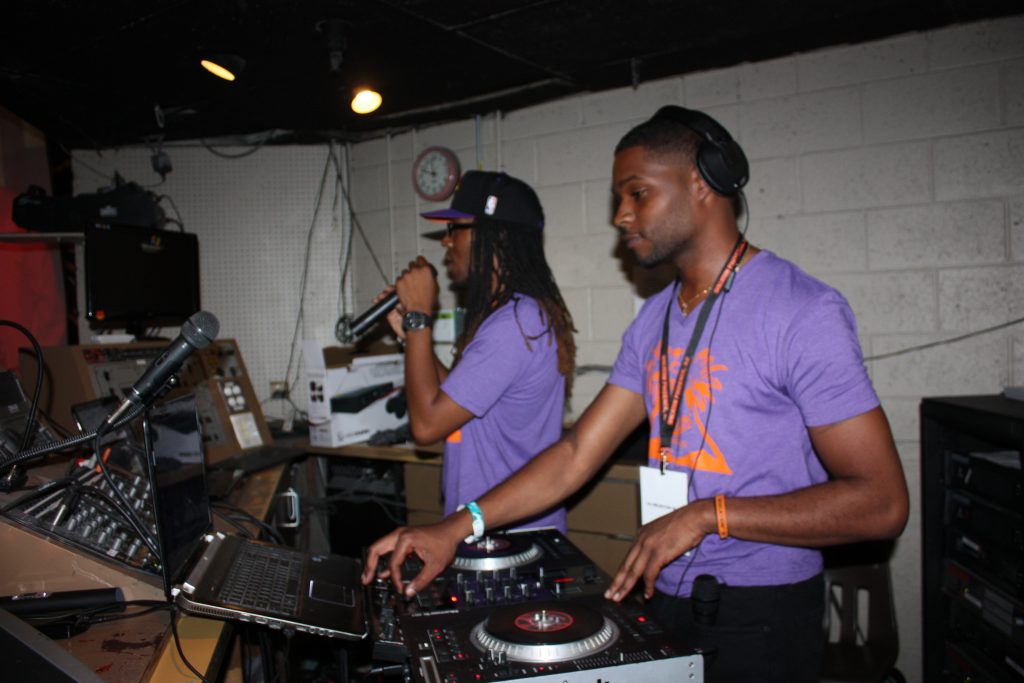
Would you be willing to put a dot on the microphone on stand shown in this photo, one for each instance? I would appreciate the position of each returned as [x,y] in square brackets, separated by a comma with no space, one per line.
[349,331]
[197,332]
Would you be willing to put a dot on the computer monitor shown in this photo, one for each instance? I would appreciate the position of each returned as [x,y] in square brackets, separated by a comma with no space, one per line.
[140,277]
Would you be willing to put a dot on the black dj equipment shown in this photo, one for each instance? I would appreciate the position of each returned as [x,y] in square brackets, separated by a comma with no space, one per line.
[523,605]
[501,569]
[579,640]
[123,204]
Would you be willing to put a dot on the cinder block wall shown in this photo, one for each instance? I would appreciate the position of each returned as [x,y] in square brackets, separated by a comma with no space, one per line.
[892,170]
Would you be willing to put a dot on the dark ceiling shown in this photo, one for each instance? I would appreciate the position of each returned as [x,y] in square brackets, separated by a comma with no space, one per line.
[116,72]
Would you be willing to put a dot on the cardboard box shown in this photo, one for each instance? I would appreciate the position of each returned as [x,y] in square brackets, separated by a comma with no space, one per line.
[365,389]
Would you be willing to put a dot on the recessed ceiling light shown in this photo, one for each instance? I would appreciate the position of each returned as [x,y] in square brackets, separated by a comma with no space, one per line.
[366,101]
[228,67]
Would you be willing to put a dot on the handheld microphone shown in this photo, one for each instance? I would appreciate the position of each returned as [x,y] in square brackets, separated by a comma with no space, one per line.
[705,596]
[197,332]
[349,331]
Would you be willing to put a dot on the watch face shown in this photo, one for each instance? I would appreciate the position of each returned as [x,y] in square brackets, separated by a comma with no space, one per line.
[416,320]
[435,173]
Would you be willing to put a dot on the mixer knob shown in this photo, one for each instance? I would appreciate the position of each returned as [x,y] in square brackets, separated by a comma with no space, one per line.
[512,572]
[469,596]
[490,594]
[508,592]
[460,580]
[137,480]
[540,574]
[525,589]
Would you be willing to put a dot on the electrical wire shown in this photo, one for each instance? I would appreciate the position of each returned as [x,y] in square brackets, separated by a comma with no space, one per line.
[179,221]
[305,278]
[362,233]
[252,150]
[30,421]
[96,615]
[98,172]
[270,531]
[177,645]
[59,446]
[232,521]
[943,342]
[345,258]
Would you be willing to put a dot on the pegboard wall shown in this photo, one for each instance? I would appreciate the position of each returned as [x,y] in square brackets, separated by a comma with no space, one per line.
[253,216]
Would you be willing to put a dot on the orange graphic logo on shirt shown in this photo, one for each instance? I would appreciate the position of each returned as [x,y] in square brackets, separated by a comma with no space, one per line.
[455,437]
[692,445]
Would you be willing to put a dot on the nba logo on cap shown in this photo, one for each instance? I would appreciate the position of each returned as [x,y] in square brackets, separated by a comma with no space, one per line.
[491,205]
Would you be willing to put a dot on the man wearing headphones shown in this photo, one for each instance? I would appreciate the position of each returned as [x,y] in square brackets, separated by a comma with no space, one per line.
[767,439]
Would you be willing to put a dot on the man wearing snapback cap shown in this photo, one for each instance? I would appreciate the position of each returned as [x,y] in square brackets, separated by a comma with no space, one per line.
[502,401]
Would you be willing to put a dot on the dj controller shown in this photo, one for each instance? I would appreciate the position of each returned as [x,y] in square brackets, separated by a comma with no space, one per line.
[523,605]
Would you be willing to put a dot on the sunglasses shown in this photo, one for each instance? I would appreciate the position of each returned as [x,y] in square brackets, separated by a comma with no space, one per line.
[452,227]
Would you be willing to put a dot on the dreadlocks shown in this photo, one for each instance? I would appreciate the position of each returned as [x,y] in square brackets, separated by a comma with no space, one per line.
[508,259]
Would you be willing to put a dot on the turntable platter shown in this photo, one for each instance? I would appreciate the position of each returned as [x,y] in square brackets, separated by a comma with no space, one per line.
[496,552]
[543,632]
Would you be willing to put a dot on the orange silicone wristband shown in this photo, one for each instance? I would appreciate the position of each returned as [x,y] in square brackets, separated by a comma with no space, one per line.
[723,523]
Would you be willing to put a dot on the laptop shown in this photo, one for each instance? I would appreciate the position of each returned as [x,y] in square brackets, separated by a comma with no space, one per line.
[227,577]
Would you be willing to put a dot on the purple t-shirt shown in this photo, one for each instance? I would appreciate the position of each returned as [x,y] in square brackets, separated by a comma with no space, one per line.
[508,378]
[784,357]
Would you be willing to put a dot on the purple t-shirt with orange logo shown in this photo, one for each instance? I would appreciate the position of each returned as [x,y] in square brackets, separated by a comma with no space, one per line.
[779,354]
[508,378]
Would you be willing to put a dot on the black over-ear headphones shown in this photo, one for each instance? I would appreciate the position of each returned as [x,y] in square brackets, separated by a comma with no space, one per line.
[720,159]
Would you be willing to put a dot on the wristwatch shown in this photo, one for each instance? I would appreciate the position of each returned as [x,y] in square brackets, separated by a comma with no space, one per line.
[416,320]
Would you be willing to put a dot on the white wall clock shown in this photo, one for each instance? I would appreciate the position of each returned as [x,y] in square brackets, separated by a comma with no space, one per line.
[435,173]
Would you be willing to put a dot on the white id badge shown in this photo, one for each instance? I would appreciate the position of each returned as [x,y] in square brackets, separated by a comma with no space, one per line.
[661,493]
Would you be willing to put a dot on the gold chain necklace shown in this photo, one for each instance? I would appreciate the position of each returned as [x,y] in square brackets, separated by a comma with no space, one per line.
[685,305]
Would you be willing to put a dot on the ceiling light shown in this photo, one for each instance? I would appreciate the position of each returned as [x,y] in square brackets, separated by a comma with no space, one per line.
[366,101]
[228,67]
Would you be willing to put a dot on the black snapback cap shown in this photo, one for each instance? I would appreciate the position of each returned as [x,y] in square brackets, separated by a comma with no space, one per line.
[490,195]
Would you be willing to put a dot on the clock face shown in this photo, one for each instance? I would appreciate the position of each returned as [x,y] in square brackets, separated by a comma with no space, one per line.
[435,173]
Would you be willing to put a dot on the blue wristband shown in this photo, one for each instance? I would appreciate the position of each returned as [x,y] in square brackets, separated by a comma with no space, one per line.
[478,521]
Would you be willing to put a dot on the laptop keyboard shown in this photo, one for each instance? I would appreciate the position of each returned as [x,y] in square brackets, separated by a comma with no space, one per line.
[265,578]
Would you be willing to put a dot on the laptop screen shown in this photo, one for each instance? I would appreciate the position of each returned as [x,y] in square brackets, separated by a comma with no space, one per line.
[179,484]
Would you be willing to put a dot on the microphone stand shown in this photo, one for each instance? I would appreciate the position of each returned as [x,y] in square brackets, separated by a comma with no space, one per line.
[84,437]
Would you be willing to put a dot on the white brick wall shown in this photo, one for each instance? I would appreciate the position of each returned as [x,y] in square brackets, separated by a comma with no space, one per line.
[894,170]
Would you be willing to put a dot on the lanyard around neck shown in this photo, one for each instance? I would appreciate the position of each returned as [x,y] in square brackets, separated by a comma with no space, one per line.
[669,405]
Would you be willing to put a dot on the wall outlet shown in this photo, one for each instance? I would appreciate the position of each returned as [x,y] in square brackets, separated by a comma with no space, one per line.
[278,389]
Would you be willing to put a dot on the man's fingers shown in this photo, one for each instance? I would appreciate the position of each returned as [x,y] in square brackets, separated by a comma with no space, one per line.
[651,578]
[625,577]
[398,556]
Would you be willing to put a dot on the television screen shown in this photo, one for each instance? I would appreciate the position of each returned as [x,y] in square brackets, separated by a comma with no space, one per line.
[140,277]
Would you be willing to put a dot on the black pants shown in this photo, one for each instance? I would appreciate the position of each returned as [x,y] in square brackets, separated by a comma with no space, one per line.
[760,634]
